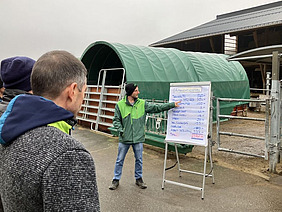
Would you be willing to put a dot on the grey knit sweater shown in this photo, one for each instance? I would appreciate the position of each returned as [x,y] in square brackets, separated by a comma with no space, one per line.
[41,167]
[47,170]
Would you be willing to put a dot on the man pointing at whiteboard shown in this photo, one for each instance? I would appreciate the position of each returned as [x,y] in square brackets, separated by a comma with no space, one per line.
[129,120]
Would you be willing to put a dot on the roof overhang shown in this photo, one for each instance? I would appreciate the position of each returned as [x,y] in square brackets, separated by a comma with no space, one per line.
[219,33]
[258,55]
[264,16]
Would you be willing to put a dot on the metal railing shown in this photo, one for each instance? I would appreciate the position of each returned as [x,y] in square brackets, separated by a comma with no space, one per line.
[265,120]
[156,122]
[86,113]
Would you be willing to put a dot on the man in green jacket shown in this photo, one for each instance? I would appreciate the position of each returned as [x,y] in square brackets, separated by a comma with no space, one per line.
[129,120]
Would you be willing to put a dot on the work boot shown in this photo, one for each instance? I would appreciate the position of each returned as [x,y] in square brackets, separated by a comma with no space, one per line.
[114,185]
[140,183]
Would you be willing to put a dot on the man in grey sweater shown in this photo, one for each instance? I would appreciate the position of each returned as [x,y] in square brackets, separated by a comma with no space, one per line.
[42,168]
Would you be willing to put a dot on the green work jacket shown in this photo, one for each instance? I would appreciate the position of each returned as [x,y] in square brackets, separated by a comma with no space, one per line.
[129,120]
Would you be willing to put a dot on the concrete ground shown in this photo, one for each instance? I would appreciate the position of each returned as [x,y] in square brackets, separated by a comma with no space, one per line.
[234,190]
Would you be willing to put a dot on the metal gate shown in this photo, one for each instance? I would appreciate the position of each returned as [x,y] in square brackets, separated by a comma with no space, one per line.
[265,120]
[99,102]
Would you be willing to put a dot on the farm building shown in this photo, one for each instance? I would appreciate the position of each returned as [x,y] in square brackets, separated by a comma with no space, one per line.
[233,33]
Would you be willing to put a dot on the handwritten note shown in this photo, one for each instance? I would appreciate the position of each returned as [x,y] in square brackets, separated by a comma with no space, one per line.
[189,122]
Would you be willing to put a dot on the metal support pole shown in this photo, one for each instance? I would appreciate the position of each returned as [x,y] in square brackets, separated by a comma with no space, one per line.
[122,85]
[217,122]
[210,124]
[280,121]
[101,98]
[274,144]
[267,83]
[210,139]
[266,128]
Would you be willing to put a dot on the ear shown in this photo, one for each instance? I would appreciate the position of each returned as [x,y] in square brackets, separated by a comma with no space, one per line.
[71,89]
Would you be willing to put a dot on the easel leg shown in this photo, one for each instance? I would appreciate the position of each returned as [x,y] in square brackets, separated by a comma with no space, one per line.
[166,145]
[204,174]
[177,158]
[210,154]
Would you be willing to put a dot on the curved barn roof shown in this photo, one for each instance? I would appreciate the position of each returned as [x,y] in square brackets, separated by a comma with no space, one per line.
[153,69]
[148,64]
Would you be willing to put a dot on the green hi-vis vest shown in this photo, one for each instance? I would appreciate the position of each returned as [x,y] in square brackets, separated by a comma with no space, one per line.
[62,125]
[136,111]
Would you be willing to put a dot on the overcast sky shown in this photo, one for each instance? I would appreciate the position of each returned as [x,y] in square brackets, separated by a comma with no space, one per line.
[33,27]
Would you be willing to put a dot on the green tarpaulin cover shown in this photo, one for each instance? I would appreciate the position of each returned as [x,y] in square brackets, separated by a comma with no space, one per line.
[153,69]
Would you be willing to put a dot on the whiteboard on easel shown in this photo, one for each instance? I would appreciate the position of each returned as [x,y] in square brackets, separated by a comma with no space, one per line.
[189,123]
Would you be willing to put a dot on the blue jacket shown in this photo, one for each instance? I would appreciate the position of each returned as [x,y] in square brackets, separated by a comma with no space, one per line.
[38,111]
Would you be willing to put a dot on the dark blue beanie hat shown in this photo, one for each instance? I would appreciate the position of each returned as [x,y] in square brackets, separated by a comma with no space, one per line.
[129,88]
[16,71]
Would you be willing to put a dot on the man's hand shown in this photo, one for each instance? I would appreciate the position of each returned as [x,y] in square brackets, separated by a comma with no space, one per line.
[177,103]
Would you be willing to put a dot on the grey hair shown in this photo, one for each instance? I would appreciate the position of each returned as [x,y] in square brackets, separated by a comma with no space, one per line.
[54,71]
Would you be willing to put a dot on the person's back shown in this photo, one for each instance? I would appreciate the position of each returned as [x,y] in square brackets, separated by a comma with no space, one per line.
[42,168]
[15,74]
[33,183]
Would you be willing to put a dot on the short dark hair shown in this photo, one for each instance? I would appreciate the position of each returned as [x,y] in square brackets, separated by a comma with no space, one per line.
[54,71]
